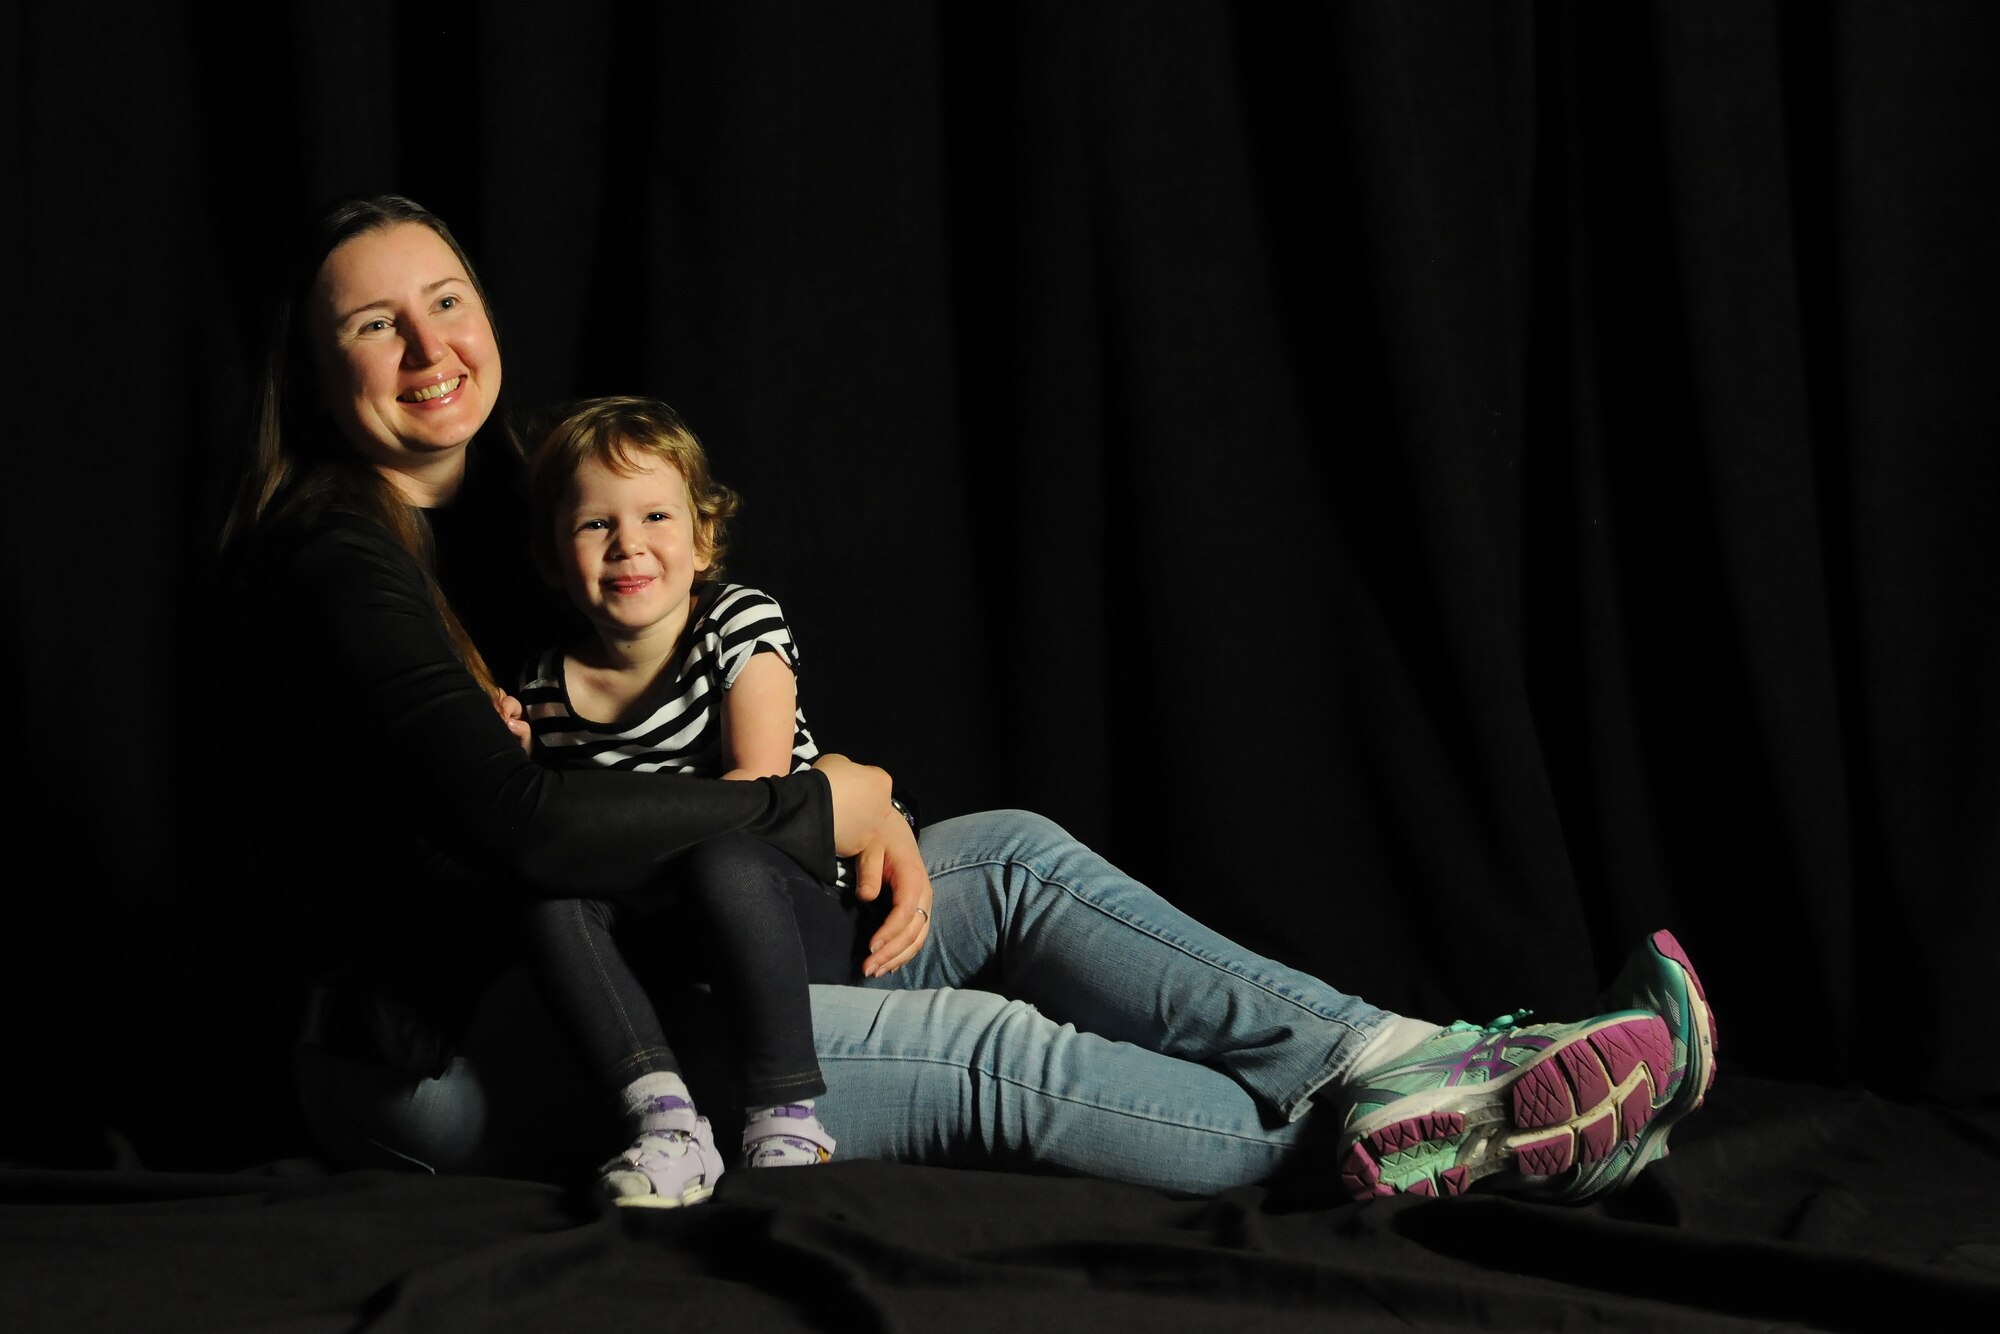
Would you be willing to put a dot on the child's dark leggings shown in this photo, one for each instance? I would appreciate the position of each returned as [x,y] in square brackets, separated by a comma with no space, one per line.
[732,912]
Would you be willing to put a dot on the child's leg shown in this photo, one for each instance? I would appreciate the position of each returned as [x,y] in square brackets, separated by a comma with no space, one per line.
[671,1160]
[593,992]
[746,895]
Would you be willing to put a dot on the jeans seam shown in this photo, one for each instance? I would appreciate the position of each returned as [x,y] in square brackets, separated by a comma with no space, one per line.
[1081,900]
[1292,1105]
[1053,1096]
[641,1054]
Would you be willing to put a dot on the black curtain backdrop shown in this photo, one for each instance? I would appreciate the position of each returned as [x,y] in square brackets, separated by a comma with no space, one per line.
[1438,489]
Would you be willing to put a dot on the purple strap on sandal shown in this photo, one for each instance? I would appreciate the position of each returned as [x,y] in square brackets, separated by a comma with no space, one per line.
[787,1135]
[672,1163]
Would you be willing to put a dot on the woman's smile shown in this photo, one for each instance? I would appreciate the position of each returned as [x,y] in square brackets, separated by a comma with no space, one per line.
[408,367]
[434,393]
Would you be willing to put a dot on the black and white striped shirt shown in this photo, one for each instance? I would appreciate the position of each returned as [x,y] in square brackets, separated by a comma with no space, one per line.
[681,730]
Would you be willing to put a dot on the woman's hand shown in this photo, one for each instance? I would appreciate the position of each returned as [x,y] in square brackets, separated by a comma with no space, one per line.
[873,832]
[893,859]
[860,802]
[511,714]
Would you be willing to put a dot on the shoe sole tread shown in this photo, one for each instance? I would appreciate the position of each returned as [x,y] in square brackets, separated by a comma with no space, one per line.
[1574,1103]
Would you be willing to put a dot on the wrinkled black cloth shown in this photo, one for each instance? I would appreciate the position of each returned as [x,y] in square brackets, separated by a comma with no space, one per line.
[1781,1205]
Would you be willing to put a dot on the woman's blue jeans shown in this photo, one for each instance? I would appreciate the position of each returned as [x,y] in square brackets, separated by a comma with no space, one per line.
[1062,1017]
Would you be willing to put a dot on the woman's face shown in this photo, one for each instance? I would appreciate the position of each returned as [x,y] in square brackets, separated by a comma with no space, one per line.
[408,367]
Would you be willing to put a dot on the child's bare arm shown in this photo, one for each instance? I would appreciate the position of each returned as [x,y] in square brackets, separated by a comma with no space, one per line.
[758,719]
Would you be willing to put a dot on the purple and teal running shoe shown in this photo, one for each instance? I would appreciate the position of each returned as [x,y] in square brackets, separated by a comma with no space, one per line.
[1514,1106]
[1659,978]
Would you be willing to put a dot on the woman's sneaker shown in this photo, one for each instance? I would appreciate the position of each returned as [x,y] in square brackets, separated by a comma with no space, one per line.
[672,1163]
[1659,977]
[1513,1106]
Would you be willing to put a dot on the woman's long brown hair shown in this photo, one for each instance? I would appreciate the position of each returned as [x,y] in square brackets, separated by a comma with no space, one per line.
[298,456]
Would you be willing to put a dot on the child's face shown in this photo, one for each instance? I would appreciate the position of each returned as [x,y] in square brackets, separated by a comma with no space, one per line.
[628,548]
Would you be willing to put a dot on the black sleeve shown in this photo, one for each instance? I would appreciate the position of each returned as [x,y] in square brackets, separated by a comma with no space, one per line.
[433,754]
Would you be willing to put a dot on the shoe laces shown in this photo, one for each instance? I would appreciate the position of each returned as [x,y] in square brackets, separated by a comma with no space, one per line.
[1502,1024]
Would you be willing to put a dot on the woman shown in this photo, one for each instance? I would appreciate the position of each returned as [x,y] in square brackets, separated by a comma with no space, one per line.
[1023,1002]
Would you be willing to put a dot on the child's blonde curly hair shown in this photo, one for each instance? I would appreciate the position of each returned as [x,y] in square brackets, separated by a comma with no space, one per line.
[619,433]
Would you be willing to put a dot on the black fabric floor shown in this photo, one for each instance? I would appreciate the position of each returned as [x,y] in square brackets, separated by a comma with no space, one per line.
[1781,1205]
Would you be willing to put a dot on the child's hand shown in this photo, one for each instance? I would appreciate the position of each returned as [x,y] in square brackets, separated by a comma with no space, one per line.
[511,714]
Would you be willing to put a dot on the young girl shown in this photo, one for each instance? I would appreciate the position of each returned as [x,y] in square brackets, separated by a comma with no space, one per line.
[681,674]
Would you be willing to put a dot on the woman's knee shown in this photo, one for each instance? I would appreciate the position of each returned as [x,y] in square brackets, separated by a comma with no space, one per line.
[994,836]
[516,1100]
[364,1114]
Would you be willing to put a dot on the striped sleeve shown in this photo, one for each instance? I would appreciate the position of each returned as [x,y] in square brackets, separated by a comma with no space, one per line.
[747,622]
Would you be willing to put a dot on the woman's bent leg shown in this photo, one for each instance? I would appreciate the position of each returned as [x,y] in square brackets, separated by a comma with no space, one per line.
[1025,910]
[971,1079]
[513,1102]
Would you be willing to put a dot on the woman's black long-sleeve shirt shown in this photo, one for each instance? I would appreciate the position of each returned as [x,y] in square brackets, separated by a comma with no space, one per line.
[394,815]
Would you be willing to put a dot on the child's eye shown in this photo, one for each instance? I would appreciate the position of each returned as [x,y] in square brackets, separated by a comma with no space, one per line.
[592,526]
[657,516]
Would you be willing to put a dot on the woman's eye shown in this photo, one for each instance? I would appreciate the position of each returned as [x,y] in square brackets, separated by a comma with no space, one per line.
[449,303]
[374,326]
